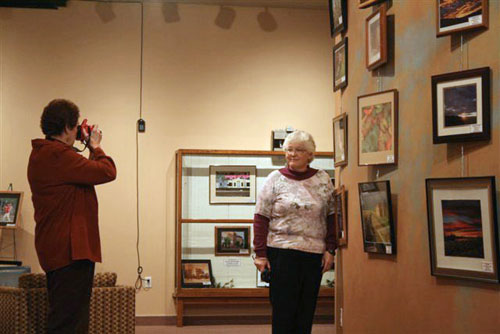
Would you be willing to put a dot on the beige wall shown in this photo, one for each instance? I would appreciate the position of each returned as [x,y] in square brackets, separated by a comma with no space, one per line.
[204,87]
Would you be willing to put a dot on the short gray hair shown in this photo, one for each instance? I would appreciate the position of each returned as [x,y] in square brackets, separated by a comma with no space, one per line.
[300,137]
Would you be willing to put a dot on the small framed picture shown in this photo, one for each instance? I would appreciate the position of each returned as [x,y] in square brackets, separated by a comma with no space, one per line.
[10,208]
[376,38]
[376,217]
[338,16]
[367,3]
[460,15]
[340,140]
[461,106]
[340,65]
[463,228]
[197,274]
[232,184]
[260,282]
[378,128]
[232,240]
[340,200]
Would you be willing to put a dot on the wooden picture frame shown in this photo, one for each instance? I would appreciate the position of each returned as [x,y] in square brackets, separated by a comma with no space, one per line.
[232,184]
[376,38]
[378,128]
[338,16]
[196,274]
[340,140]
[367,3]
[453,16]
[461,106]
[463,228]
[10,208]
[340,67]
[376,217]
[340,202]
[232,240]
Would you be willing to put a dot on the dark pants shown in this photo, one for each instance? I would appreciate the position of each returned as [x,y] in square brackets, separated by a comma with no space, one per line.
[295,281]
[69,289]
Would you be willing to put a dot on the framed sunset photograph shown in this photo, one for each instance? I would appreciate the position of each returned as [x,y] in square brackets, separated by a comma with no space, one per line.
[461,15]
[376,38]
[463,229]
[340,140]
[338,16]
[340,65]
[461,106]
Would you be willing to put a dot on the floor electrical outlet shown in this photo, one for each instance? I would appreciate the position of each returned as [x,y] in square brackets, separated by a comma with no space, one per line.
[147,282]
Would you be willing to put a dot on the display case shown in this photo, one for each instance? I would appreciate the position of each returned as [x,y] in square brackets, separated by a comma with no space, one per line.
[216,194]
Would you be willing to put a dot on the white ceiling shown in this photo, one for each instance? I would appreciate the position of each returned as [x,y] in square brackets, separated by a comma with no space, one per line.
[312,4]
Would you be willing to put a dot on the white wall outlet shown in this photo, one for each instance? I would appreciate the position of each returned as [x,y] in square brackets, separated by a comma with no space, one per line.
[148,283]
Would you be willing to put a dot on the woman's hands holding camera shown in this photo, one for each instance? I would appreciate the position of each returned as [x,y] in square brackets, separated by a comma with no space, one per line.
[95,136]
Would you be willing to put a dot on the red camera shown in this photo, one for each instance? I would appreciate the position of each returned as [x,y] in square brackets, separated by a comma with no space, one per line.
[84,126]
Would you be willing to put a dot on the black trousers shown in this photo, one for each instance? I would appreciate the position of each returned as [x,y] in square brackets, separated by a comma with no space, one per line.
[295,281]
[69,290]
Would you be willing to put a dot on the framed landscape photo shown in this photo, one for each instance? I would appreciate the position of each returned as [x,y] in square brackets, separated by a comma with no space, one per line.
[367,3]
[376,217]
[197,274]
[338,16]
[340,65]
[461,15]
[378,128]
[340,140]
[463,228]
[10,208]
[232,240]
[376,38]
[232,184]
[340,202]
[461,106]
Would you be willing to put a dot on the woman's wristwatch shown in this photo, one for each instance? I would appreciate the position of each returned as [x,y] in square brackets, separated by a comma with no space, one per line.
[331,251]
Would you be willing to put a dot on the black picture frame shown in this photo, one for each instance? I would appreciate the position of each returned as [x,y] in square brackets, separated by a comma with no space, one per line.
[10,208]
[447,23]
[340,138]
[376,38]
[340,203]
[463,228]
[461,106]
[338,16]
[232,241]
[205,281]
[377,221]
[340,66]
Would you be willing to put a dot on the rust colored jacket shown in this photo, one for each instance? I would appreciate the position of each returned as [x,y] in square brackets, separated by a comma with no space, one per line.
[62,186]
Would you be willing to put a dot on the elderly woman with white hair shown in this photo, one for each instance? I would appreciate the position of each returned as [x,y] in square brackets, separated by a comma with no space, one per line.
[294,236]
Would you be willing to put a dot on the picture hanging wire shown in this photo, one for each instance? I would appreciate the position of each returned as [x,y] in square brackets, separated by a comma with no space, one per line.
[10,188]
[463,162]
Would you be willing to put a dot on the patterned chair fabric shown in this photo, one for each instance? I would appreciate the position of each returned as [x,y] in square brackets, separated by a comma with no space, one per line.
[24,310]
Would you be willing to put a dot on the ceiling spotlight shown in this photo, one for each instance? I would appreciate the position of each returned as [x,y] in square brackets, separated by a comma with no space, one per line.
[225,17]
[267,21]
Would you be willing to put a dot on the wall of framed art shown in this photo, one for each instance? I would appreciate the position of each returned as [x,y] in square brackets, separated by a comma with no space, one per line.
[441,286]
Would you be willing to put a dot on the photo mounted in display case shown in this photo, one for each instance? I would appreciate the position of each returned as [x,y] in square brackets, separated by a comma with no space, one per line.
[340,202]
[461,106]
[376,38]
[340,65]
[10,208]
[340,140]
[378,128]
[232,184]
[463,228]
[376,217]
[338,16]
[232,240]
[197,274]
[460,15]
[367,3]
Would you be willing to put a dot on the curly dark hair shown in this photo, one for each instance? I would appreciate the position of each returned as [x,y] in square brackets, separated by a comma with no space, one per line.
[58,115]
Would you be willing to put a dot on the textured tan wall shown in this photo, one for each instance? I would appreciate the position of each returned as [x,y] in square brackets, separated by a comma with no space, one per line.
[397,294]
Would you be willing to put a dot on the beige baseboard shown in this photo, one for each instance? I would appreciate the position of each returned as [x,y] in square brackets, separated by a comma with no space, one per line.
[218,320]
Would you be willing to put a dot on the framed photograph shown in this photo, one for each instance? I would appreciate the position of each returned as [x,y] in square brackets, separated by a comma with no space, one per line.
[340,200]
[340,140]
[461,106]
[232,240]
[232,184]
[260,282]
[378,128]
[338,16]
[461,15]
[367,3]
[10,208]
[463,228]
[376,217]
[376,38]
[197,274]
[340,65]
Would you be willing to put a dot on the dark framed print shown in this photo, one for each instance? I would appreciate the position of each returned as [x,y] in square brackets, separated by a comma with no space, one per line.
[232,240]
[340,202]
[376,217]
[460,15]
[376,38]
[367,3]
[340,140]
[197,274]
[378,128]
[338,16]
[461,106]
[340,65]
[463,229]
[10,208]
[232,184]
